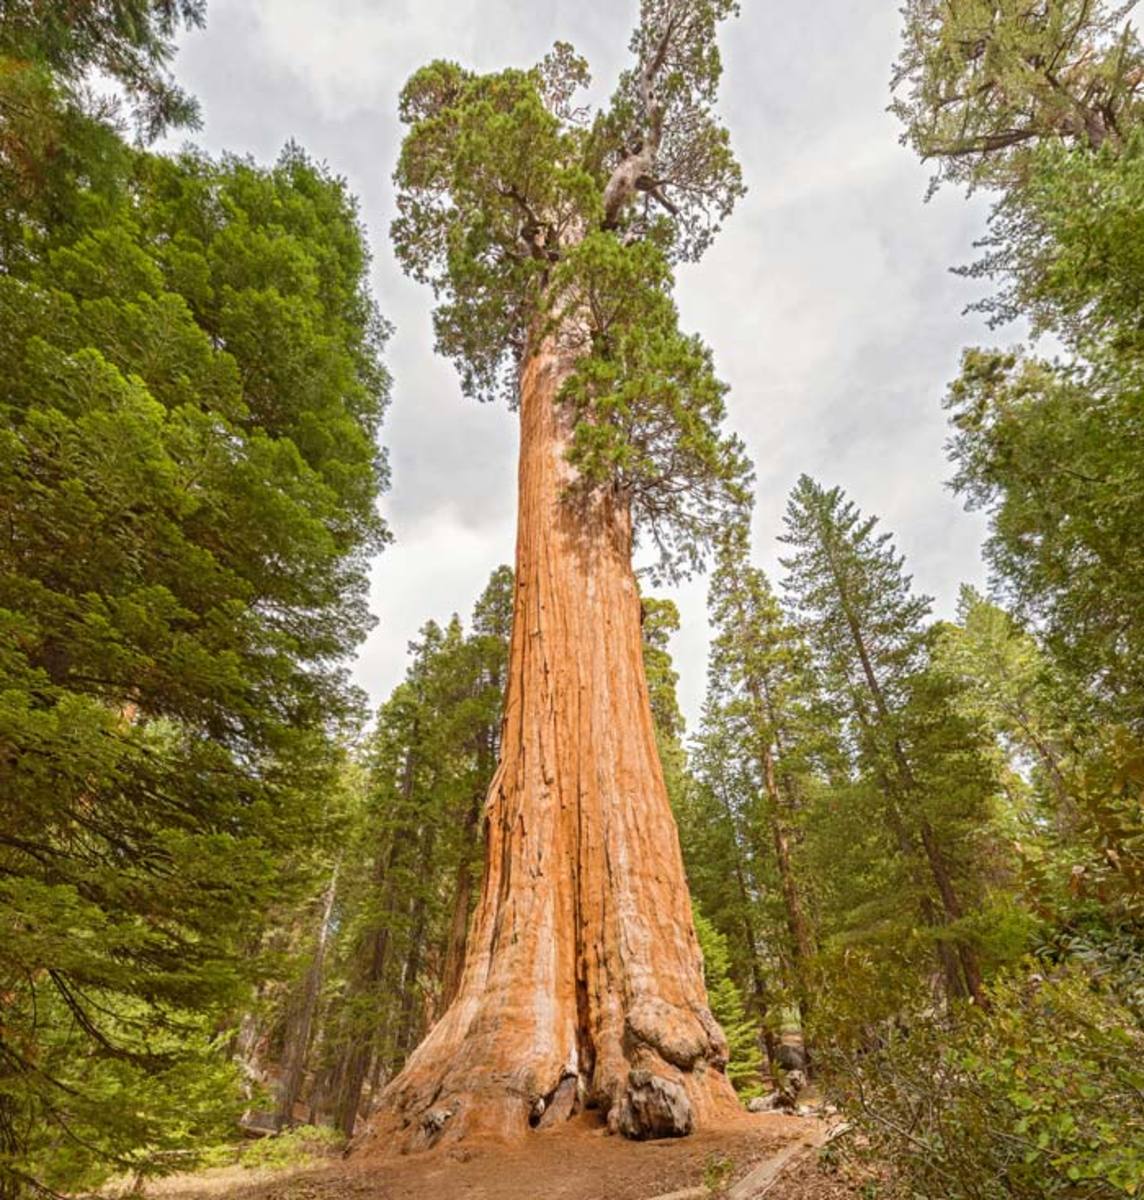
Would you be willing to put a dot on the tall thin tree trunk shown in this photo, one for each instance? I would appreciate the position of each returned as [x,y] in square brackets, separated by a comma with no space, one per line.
[462,900]
[583,980]
[417,928]
[801,938]
[761,993]
[758,979]
[302,1026]
[356,1057]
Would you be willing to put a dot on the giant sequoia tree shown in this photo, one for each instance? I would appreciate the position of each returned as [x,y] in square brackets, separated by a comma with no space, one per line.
[549,238]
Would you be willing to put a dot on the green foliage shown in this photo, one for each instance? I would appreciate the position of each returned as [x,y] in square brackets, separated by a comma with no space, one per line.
[708,841]
[745,1063]
[763,741]
[646,405]
[1039,1097]
[128,41]
[1048,450]
[980,84]
[191,395]
[718,1171]
[295,1147]
[412,856]
[535,226]
[1065,248]
[488,181]
[842,573]
[921,765]
[1072,792]
[664,108]
[659,621]
[187,1096]
[59,134]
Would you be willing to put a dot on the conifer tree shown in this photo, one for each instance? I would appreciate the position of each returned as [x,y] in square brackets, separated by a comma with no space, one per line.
[190,400]
[760,681]
[1073,820]
[867,627]
[60,124]
[982,84]
[728,852]
[660,621]
[1045,105]
[417,852]
[549,238]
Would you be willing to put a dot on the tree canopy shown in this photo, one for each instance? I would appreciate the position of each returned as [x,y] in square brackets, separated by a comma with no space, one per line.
[979,84]
[534,219]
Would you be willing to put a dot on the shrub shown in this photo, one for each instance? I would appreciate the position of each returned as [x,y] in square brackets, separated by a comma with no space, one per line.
[295,1147]
[1042,1096]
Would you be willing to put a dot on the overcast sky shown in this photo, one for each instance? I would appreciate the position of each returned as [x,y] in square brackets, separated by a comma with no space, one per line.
[827,299]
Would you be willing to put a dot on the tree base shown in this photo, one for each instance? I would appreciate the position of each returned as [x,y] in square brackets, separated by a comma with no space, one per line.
[443,1096]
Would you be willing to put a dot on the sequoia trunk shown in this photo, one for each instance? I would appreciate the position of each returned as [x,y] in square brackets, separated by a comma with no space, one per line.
[583,980]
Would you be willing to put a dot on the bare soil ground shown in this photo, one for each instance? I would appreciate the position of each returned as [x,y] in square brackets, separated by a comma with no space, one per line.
[578,1162]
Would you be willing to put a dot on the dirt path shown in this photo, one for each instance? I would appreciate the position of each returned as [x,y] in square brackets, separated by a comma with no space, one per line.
[578,1162]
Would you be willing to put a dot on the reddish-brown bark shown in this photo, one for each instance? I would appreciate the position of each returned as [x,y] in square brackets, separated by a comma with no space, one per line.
[583,982]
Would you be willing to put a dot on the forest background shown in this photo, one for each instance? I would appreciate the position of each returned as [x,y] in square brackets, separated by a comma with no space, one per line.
[915,843]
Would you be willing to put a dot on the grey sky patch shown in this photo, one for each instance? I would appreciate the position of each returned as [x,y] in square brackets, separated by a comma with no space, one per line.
[827,299]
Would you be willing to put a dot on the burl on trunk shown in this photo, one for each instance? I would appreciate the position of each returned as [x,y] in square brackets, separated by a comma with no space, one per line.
[583,981]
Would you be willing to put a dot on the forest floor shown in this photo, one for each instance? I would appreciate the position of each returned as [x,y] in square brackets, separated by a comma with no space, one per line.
[769,1155]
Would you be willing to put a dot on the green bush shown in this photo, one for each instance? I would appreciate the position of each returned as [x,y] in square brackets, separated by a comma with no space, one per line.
[1042,1096]
[295,1147]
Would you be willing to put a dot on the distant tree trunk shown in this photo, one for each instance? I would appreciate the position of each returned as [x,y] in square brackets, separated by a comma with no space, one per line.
[462,902]
[352,1072]
[583,980]
[761,994]
[801,926]
[797,923]
[759,991]
[802,939]
[301,1026]
[359,1049]
[417,929]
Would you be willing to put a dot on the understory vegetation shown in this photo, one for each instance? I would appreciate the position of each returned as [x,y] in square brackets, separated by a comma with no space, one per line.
[232,896]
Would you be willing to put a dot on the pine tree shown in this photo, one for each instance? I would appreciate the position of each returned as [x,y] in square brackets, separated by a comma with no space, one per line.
[855,601]
[760,681]
[728,866]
